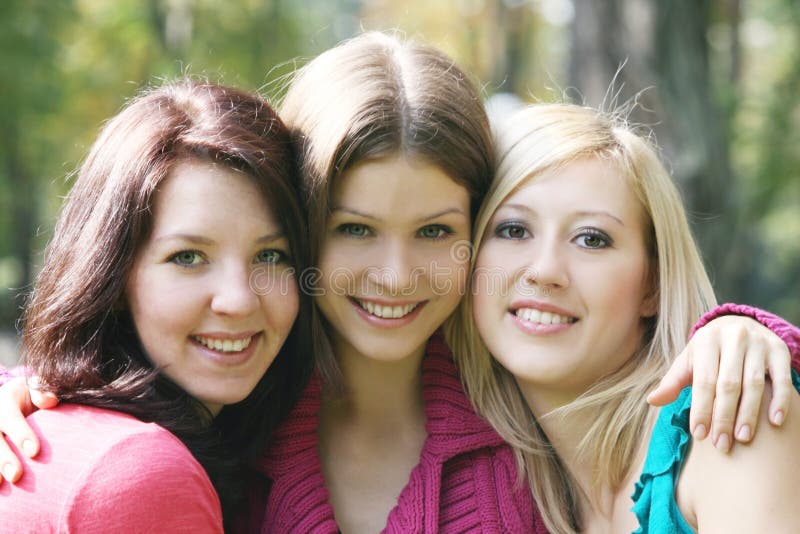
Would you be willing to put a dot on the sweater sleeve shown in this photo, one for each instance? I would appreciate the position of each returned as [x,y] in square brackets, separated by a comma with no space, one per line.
[789,333]
[143,483]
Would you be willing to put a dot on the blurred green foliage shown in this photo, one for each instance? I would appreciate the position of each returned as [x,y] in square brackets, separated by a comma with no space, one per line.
[67,65]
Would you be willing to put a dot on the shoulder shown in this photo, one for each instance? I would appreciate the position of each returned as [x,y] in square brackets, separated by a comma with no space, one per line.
[107,468]
[761,477]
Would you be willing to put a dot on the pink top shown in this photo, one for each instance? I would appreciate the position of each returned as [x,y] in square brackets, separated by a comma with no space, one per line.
[789,333]
[466,479]
[103,471]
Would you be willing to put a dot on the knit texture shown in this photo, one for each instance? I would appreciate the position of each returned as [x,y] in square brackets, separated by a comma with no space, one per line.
[466,479]
[789,333]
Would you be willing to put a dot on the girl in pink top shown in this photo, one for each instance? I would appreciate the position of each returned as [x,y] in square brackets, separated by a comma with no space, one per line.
[168,295]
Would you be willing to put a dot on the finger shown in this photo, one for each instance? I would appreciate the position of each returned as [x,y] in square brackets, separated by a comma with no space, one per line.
[753,380]
[14,404]
[704,383]
[729,386]
[43,400]
[10,466]
[678,376]
[779,370]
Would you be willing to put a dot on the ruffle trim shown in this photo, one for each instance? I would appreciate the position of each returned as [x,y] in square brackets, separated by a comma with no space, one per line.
[671,430]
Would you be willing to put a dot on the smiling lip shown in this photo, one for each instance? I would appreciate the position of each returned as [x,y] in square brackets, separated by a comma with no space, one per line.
[228,356]
[408,310]
[541,318]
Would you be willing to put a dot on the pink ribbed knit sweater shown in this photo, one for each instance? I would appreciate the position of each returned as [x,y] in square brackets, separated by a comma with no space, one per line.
[465,480]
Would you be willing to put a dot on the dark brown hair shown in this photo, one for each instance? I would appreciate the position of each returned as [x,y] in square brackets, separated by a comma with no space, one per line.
[78,337]
[373,96]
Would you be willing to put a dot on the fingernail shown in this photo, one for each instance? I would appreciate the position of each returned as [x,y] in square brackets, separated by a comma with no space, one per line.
[723,443]
[8,472]
[744,433]
[777,417]
[28,448]
[699,432]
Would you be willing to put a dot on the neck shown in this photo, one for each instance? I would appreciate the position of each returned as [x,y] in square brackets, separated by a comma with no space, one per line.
[566,433]
[378,394]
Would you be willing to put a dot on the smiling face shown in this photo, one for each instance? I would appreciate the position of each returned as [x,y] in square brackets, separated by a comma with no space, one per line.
[393,262]
[570,246]
[211,291]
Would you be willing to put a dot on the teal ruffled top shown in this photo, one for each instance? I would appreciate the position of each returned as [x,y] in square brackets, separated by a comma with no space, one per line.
[654,495]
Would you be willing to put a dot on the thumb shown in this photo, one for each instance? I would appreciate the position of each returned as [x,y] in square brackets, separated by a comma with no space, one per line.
[678,377]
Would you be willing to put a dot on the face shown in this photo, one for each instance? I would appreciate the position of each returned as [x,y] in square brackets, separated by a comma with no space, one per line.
[394,260]
[211,291]
[561,279]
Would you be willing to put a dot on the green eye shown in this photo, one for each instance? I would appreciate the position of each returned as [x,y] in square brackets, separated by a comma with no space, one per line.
[435,231]
[270,256]
[186,258]
[354,230]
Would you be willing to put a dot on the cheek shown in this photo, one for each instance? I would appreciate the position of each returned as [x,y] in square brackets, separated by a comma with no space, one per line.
[282,304]
[494,276]
[163,308]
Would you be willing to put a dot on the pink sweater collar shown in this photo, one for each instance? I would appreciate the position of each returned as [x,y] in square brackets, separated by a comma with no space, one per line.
[293,465]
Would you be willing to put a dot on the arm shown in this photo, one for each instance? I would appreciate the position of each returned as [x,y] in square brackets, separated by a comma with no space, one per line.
[752,489]
[732,350]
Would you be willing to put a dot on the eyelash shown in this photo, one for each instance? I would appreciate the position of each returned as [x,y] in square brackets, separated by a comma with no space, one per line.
[594,233]
[282,257]
[504,228]
[444,232]
[346,229]
[174,258]
[503,231]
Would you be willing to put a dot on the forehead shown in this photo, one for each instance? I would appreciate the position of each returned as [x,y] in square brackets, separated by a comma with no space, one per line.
[414,185]
[202,192]
[585,185]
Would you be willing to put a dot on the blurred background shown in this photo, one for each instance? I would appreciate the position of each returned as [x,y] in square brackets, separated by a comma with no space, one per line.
[718,81]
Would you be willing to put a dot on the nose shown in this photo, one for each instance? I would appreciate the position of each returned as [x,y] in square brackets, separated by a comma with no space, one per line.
[232,292]
[396,274]
[547,268]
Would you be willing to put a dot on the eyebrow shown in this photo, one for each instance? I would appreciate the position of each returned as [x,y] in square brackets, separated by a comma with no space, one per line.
[457,211]
[582,213]
[200,240]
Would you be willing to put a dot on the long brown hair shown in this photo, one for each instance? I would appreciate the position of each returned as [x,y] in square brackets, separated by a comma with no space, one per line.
[374,96]
[78,337]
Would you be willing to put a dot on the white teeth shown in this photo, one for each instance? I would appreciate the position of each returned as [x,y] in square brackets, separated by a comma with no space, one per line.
[224,345]
[535,316]
[387,312]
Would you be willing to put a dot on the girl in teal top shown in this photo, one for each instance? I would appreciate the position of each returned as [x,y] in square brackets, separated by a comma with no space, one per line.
[586,285]
[654,501]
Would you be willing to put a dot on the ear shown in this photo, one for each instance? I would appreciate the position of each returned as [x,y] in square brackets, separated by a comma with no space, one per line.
[649,305]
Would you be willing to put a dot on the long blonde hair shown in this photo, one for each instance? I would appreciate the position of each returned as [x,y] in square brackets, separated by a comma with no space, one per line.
[536,140]
[370,97]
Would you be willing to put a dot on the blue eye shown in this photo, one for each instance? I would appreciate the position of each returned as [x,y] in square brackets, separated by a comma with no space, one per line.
[270,256]
[512,230]
[435,231]
[354,230]
[593,238]
[186,258]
